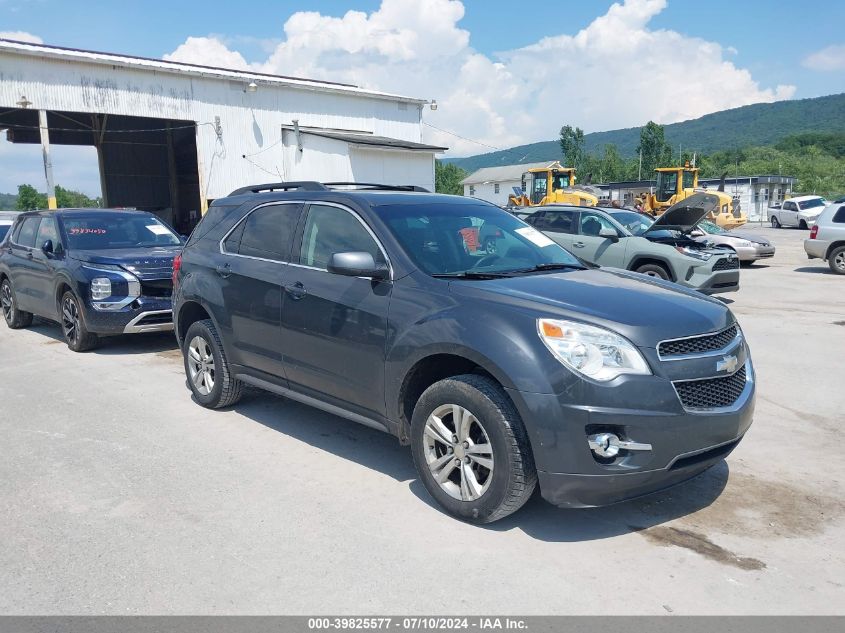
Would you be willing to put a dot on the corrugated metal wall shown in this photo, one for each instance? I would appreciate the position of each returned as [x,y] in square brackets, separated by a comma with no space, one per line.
[249,147]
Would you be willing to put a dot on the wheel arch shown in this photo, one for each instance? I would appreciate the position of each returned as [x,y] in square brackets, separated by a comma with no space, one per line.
[643,259]
[832,247]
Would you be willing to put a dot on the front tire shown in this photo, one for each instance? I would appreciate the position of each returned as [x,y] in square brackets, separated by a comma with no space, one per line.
[207,369]
[77,336]
[14,317]
[836,260]
[471,449]
[775,223]
[803,225]
[654,270]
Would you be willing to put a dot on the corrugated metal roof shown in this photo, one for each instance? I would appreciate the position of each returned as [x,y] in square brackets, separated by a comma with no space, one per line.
[370,140]
[501,174]
[161,65]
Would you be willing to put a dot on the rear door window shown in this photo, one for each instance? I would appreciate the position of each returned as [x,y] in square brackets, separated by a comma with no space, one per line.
[28,231]
[266,233]
[839,216]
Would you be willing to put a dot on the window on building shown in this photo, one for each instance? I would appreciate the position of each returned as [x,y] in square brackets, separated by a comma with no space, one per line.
[472,190]
[496,188]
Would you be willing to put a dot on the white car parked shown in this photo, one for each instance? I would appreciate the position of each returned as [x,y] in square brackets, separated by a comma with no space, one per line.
[801,212]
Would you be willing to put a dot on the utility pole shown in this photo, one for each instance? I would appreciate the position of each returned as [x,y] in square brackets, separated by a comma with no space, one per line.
[640,172]
[48,164]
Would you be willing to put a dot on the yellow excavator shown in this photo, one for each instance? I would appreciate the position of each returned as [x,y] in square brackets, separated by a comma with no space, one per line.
[553,184]
[676,183]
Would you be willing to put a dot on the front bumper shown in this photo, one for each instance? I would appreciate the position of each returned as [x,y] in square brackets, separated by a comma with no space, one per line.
[702,277]
[644,409]
[753,253]
[144,314]
[816,249]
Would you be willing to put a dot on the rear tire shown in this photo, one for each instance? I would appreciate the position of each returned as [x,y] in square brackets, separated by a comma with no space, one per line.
[77,336]
[775,223]
[207,369]
[471,449]
[654,270]
[836,260]
[15,318]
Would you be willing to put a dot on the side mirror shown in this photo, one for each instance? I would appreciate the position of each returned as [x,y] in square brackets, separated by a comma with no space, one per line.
[47,248]
[609,234]
[357,264]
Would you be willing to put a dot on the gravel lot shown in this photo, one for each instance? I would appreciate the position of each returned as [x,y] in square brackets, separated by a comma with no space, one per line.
[119,495]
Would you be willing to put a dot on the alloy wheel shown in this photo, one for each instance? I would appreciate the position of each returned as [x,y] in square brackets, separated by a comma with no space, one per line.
[6,301]
[201,365]
[839,261]
[458,452]
[70,319]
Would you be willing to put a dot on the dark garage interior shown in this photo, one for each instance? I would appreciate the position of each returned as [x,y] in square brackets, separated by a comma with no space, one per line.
[145,163]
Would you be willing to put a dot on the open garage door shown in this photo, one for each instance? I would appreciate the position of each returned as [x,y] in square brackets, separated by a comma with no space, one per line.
[144,163]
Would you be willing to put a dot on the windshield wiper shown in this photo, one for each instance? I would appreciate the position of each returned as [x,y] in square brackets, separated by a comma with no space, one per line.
[469,274]
[558,266]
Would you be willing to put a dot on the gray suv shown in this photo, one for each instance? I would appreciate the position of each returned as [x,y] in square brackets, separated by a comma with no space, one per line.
[664,248]
[827,238]
[501,370]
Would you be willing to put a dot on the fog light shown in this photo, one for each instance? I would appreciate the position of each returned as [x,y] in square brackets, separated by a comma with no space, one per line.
[609,445]
[100,288]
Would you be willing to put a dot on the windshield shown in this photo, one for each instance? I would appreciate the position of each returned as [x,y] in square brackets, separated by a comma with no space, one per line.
[709,227]
[453,239]
[117,230]
[634,222]
[811,204]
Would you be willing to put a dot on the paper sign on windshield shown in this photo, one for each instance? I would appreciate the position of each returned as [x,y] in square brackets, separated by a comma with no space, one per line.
[534,236]
[158,229]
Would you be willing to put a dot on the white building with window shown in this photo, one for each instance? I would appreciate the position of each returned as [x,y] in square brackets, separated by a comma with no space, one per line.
[495,184]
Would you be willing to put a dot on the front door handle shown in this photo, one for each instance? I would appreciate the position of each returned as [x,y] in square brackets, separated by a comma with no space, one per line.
[578,244]
[224,270]
[29,255]
[296,291]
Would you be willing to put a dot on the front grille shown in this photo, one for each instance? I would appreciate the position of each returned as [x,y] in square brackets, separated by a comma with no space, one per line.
[697,344]
[157,288]
[726,263]
[153,269]
[711,393]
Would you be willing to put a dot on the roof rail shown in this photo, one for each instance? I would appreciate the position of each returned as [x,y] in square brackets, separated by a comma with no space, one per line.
[377,186]
[304,185]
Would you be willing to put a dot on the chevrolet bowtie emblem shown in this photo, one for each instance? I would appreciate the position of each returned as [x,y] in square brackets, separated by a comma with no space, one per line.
[728,364]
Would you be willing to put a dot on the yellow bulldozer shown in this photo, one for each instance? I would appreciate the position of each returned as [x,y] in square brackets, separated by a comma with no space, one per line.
[676,183]
[554,184]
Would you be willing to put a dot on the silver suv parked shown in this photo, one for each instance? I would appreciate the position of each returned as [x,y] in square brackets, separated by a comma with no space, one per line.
[619,238]
[827,238]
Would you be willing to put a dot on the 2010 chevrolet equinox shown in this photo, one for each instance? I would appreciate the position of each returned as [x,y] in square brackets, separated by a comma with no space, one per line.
[501,370]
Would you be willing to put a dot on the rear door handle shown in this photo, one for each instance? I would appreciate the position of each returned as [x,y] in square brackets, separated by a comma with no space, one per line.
[578,244]
[296,291]
[29,255]
[224,270]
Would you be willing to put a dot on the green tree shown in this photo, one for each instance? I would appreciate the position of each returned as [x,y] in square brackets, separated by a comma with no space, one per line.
[29,199]
[656,152]
[66,198]
[448,177]
[572,146]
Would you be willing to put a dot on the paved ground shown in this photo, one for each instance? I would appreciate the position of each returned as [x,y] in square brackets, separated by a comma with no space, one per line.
[119,495]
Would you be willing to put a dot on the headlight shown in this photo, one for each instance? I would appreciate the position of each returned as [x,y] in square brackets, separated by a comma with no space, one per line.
[743,243]
[691,252]
[591,351]
[100,288]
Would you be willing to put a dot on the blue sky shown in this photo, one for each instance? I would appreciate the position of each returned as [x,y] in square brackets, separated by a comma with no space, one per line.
[497,80]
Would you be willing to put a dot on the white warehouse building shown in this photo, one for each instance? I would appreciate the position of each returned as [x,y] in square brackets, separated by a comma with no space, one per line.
[171,137]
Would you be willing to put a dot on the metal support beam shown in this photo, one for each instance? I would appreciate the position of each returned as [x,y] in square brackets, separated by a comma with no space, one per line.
[174,182]
[99,129]
[48,164]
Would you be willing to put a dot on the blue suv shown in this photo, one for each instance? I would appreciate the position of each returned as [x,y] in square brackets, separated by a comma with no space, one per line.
[97,272]
[502,370]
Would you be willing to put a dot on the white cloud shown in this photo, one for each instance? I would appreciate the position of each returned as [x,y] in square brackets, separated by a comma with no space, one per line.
[827,59]
[208,51]
[616,72]
[21,36]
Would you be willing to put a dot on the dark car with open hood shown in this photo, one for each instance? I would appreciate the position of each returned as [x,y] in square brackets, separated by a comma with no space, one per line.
[97,272]
[502,370]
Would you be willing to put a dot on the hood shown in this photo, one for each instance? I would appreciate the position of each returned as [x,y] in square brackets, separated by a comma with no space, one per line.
[145,263]
[686,214]
[643,310]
